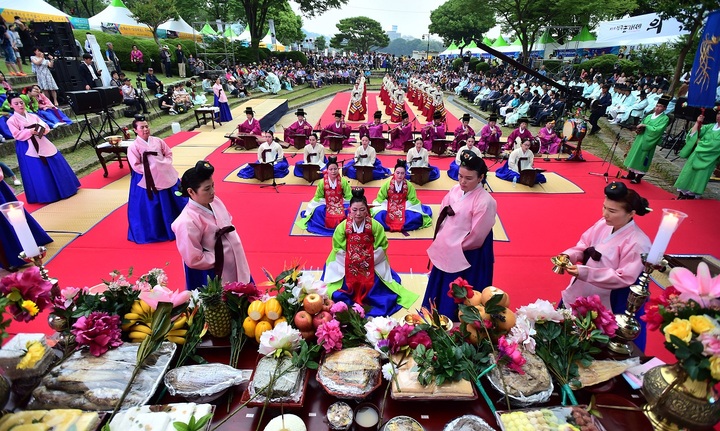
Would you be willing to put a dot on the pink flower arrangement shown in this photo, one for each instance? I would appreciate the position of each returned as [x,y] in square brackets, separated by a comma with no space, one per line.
[247,290]
[338,307]
[398,339]
[329,335]
[460,290]
[509,353]
[419,338]
[99,331]
[20,287]
[703,288]
[602,318]
[711,343]
[652,316]
[359,309]
[163,294]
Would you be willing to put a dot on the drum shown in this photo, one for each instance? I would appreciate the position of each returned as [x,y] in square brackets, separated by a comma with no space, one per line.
[574,129]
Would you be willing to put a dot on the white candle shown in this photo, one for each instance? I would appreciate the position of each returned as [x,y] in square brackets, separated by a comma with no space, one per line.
[366,417]
[670,221]
[15,214]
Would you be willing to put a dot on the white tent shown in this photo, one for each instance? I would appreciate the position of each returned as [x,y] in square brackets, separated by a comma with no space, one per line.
[244,36]
[31,10]
[266,42]
[182,28]
[117,18]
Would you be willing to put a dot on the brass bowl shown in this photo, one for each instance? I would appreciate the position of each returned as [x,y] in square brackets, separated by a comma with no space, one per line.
[414,319]
[114,140]
[559,262]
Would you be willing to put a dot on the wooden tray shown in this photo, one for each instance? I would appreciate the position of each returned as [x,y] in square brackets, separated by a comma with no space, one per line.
[428,395]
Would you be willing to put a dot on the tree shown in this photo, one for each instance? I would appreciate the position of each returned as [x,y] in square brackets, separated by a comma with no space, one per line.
[457,20]
[194,11]
[320,43]
[359,34]
[692,16]
[153,13]
[402,46]
[288,26]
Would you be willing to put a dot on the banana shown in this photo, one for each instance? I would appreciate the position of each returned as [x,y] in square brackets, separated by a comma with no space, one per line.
[176,340]
[133,316]
[137,307]
[126,326]
[138,336]
[146,308]
[177,333]
[180,322]
[142,328]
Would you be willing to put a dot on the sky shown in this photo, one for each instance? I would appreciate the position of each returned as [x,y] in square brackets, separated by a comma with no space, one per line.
[412,17]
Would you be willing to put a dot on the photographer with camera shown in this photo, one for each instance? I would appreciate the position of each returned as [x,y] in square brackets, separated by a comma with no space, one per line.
[132,98]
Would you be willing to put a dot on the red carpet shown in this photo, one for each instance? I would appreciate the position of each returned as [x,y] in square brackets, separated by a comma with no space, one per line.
[538,225]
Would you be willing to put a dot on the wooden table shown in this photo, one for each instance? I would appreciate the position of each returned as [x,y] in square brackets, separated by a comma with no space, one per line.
[119,150]
[204,113]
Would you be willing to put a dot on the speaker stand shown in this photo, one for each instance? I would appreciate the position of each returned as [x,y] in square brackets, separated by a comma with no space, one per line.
[87,127]
[108,120]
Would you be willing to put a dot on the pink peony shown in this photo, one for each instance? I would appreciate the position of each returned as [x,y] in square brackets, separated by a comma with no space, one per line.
[338,307]
[421,337]
[602,318]
[703,288]
[359,309]
[329,335]
[711,343]
[164,294]
[398,338]
[99,331]
[26,286]
[509,350]
[247,290]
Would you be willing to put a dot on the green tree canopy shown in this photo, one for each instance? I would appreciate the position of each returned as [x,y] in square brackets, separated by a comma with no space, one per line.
[359,34]
[288,26]
[320,43]
[402,46]
[457,20]
[152,13]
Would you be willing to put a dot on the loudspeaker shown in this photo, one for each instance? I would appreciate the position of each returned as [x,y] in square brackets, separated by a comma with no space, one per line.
[67,74]
[85,102]
[110,96]
[56,38]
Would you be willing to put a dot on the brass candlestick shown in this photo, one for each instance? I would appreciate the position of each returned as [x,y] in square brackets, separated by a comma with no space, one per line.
[38,261]
[628,325]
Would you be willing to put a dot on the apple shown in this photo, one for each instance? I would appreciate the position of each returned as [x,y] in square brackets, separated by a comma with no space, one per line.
[308,335]
[491,291]
[328,304]
[313,303]
[303,321]
[320,318]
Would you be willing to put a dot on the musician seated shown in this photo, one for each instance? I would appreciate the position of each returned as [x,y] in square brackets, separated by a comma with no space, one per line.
[518,135]
[328,207]
[373,129]
[336,129]
[434,130]
[300,127]
[397,207]
[417,157]
[313,154]
[549,140]
[462,132]
[268,152]
[455,165]
[251,125]
[365,155]
[519,160]
[489,133]
[401,133]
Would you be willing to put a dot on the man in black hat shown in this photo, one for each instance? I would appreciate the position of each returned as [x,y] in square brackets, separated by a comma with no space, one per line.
[598,107]
[433,130]
[300,127]
[338,128]
[519,135]
[462,132]
[373,129]
[251,125]
[489,133]
[152,82]
[89,74]
[650,134]
[401,133]
[549,140]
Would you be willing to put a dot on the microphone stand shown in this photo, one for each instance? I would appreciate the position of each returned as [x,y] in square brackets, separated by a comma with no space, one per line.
[610,155]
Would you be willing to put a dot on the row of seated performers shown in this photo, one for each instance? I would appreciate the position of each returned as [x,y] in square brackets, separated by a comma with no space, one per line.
[396,207]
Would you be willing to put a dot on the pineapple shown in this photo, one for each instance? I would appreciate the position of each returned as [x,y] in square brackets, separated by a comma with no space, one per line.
[217,313]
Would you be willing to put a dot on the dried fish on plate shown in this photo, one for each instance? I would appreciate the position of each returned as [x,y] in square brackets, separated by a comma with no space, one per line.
[204,383]
[350,373]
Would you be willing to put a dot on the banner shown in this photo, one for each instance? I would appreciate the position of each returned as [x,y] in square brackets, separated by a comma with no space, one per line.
[79,23]
[704,73]
[271,25]
[635,29]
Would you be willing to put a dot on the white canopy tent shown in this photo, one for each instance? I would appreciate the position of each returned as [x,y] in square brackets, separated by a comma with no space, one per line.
[31,10]
[182,28]
[117,18]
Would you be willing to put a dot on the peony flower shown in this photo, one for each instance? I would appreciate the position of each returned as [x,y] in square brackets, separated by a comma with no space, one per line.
[680,328]
[702,324]
[388,371]
[67,297]
[522,333]
[306,284]
[338,307]
[359,309]
[378,329]
[281,340]
[541,311]
[460,290]
[164,294]
[715,367]
[26,286]
[329,335]
[703,288]
[99,331]
[421,337]
[247,290]
[508,352]
[399,338]
[602,318]
[711,344]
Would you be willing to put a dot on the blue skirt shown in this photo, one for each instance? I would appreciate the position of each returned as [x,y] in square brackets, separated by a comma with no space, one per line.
[434,173]
[281,169]
[453,170]
[382,300]
[149,220]
[197,278]
[297,171]
[316,224]
[11,247]
[618,302]
[479,275]
[505,173]
[45,183]
[413,219]
[4,129]
[224,115]
[379,172]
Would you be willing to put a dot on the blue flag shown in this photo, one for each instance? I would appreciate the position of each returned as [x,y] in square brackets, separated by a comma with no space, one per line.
[704,74]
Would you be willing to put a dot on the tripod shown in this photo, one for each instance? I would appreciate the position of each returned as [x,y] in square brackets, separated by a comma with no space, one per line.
[109,120]
[95,135]
[140,91]
[608,159]
[274,184]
